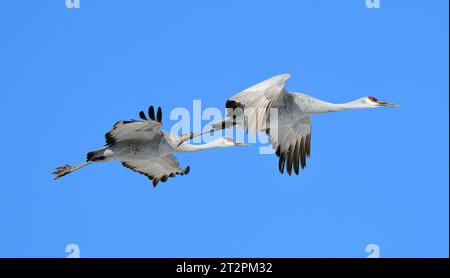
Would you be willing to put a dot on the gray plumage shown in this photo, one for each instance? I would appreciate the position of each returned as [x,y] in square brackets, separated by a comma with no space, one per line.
[290,134]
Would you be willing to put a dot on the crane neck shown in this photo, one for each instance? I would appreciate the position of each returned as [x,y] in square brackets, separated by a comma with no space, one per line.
[317,106]
[186,147]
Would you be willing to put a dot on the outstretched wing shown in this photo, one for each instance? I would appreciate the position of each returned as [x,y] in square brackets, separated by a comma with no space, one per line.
[157,169]
[290,135]
[158,118]
[137,130]
[292,142]
[255,102]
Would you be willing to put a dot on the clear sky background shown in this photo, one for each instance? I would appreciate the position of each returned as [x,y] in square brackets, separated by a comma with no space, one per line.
[375,176]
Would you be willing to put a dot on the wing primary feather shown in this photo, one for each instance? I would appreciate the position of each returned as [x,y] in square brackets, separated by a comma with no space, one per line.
[155,181]
[308,145]
[290,156]
[296,157]
[142,115]
[281,162]
[159,115]
[151,113]
[303,153]
[187,170]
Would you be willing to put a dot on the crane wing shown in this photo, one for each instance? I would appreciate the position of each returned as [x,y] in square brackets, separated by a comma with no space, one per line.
[255,102]
[158,118]
[292,142]
[157,169]
[134,131]
[290,136]
[147,129]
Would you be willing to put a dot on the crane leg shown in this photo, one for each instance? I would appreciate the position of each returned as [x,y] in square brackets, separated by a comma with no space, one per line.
[67,169]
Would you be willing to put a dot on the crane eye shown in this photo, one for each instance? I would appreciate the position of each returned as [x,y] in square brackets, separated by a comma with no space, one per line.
[373,99]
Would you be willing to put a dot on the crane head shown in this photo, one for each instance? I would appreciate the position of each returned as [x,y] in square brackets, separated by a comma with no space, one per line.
[374,102]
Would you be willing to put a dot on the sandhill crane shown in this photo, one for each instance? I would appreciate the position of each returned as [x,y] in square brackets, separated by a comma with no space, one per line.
[250,109]
[143,147]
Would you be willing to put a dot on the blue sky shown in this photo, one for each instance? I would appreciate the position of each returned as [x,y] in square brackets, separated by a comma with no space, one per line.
[375,176]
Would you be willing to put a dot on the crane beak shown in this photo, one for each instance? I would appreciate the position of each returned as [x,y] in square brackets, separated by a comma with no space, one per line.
[387,104]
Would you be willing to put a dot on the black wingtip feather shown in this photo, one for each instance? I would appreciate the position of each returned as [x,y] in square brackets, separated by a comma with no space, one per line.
[151,113]
[155,182]
[187,170]
[308,145]
[281,162]
[159,115]
[278,151]
[303,154]
[296,158]
[290,159]
[142,115]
